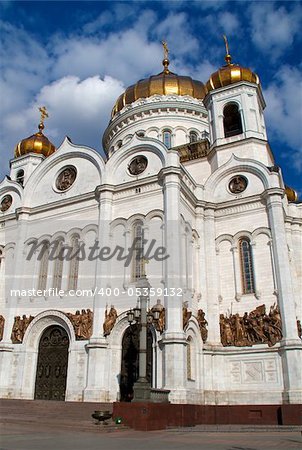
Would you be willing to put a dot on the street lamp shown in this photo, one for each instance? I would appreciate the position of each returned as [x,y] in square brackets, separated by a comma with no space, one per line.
[141,315]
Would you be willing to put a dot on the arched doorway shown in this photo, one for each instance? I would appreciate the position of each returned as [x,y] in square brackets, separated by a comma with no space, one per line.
[52,364]
[130,361]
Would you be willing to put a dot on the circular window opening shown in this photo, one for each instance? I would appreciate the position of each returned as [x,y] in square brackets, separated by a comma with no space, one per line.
[6,203]
[138,165]
[66,178]
[238,184]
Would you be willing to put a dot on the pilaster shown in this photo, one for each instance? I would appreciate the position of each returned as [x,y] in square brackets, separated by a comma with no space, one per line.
[97,373]
[291,345]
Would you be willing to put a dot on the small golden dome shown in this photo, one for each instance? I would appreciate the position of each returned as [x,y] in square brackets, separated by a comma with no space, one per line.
[37,143]
[291,194]
[230,73]
[165,83]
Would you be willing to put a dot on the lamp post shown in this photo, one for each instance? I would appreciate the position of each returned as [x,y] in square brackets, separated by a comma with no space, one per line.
[142,387]
[141,315]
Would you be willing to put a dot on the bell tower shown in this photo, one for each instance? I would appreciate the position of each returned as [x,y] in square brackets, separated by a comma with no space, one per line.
[30,152]
[235,105]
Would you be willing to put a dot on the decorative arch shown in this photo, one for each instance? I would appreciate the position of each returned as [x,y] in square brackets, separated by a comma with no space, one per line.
[41,322]
[65,153]
[224,237]
[233,166]
[243,234]
[261,230]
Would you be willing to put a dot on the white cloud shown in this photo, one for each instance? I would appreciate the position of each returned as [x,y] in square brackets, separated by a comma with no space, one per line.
[284,111]
[79,109]
[274,29]
[125,56]
[229,23]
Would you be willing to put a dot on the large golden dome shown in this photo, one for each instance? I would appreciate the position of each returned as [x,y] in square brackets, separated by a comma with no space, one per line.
[37,143]
[165,83]
[230,73]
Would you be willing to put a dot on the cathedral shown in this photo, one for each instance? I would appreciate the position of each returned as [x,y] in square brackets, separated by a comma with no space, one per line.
[172,263]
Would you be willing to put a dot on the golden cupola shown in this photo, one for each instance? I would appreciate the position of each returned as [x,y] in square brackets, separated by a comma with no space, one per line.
[230,73]
[165,83]
[37,143]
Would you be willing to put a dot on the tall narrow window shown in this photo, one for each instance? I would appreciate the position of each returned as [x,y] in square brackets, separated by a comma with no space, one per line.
[20,177]
[246,266]
[74,264]
[58,266]
[167,138]
[138,254]
[189,361]
[44,262]
[193,137]
[231,120]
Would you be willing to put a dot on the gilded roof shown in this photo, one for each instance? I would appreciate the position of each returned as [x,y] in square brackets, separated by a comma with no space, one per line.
[165,83]
[37,143]
[230,73]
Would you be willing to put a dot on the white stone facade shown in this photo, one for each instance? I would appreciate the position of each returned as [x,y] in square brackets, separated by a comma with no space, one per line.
[189,210]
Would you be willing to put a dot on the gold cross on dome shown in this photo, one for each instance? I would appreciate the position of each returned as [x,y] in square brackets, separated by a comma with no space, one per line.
[227,57]
[166,50]
[227,49]
[44,113]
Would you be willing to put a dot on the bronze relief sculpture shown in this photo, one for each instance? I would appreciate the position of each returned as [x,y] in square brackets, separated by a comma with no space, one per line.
[252,328]
[185,316]
[202,322]
[6,202]
[66,178]
[138,165]
[109,322]
[238,184]
[82,323]
[19,328]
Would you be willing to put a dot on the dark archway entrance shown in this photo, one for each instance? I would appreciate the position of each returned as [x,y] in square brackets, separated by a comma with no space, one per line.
[130,361]
[52,364]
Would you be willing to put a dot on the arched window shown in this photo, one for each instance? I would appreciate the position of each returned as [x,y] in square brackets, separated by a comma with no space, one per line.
[58,266]
[74,263]
[138,263]
[44,262]
[231,120]
[140,133]
[247,274]
[193,136]
[167,138]
[20,177]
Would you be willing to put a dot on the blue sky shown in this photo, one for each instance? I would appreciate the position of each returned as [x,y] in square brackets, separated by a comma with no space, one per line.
[77,57]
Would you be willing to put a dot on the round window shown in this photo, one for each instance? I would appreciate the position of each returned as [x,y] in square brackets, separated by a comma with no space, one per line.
[138,165]
[66,178]
[238,184]
[6,202]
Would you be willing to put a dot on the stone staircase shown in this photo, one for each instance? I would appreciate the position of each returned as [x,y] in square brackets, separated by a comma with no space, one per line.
[55,414]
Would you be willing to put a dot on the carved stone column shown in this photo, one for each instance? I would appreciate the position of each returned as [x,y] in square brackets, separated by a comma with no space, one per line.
[212,278]
[97,373]
[290,346]
[174,343]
